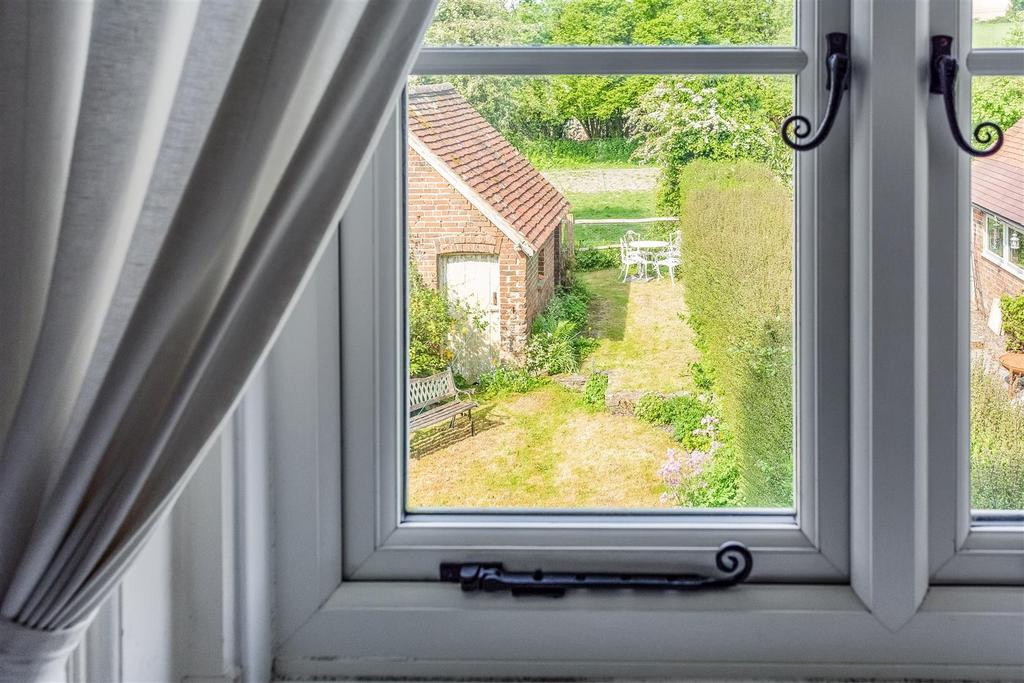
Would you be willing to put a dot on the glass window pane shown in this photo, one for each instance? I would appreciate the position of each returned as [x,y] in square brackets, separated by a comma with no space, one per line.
[612,22]
[997,316]
[651,366]
[994,243]
[998,23]
[1015,251]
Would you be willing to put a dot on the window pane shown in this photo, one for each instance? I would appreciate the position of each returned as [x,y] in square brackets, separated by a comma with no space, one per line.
[994,244]
[612,22]
[1015,253]
[998,23]
[648,363]
[997,317]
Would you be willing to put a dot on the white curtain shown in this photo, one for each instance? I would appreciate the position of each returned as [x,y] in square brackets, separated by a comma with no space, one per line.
[169,172]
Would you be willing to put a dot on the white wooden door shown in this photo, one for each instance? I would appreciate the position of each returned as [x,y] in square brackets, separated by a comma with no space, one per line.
[471,283]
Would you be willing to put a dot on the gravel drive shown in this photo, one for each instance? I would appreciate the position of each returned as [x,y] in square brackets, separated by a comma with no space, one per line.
[603,179]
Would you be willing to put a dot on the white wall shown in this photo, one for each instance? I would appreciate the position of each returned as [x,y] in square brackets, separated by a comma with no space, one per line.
[176,616]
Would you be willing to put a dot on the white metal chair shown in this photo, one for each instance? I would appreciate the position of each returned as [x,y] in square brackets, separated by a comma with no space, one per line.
[670,257]
[630,256]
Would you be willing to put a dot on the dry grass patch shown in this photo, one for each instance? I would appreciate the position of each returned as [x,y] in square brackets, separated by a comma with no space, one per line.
[545,450]
[644,344]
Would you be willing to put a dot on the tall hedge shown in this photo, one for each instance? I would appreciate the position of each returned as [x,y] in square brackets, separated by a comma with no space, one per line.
[997,444]
[737,225]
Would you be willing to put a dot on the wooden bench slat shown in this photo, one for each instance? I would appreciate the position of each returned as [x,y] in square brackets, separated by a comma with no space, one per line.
[425,391]
[440,414]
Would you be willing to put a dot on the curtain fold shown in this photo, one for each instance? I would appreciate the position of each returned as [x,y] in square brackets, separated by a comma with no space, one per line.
[170,172]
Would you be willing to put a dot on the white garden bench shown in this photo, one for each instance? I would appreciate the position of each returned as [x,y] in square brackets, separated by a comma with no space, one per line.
[425,392]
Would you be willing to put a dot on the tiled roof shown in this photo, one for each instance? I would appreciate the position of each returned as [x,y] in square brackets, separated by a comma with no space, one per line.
[454,131]
[997,182]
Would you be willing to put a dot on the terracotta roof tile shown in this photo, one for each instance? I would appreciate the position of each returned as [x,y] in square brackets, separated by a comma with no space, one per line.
[997,182]
[453,130]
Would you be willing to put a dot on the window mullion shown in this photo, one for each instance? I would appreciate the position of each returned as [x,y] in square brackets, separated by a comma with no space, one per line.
[889,103]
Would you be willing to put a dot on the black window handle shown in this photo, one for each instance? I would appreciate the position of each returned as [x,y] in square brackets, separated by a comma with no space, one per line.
[796,128]
[944,68]
[732,559]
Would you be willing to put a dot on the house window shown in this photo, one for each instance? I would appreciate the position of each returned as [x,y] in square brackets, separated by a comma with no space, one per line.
[540,263]
[1004,240]
[811,405]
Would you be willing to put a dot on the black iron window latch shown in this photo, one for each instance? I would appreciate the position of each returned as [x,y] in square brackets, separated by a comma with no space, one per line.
[732,559]
[796,129]
[942,81]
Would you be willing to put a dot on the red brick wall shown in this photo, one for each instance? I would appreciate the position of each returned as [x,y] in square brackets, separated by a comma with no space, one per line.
[990,280]
[540,288]
[441,221]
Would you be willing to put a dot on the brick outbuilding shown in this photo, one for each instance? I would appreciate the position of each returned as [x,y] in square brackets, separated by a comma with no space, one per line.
[483,223]
[997,220]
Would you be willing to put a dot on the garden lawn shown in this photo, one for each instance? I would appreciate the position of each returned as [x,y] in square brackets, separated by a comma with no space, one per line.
[543,449]
[644,345]
[619,204]
[613,204]
[990,33]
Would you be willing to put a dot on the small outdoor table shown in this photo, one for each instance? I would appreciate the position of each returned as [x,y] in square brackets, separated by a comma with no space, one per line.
[649,244]
[1014,362]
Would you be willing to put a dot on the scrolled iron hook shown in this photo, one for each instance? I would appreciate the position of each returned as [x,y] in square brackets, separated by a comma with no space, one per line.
[796,128]
[735,560]
[943,82]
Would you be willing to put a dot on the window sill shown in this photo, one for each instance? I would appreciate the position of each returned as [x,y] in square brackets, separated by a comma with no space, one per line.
[1012,269]
[425,629]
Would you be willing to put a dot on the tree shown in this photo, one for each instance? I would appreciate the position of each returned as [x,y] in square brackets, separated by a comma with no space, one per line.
[686,118]
[999,99]
[602,104]
[519,107]
[533,107]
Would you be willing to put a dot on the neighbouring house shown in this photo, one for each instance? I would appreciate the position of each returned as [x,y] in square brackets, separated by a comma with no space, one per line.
[997,221]
[483,224]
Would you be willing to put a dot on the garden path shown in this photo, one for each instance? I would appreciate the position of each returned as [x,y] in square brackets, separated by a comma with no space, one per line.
[603,179]
[645,345]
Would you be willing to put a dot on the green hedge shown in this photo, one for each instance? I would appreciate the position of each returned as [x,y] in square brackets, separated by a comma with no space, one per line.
[997,438]
[1012,308]
[737,225]
[595,259]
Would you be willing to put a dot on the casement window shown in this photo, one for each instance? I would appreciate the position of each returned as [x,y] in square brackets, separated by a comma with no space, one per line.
[853,444]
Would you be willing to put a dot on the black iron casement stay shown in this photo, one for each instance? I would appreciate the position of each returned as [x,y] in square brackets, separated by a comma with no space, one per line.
[733,560]
[796,129]
[944,68]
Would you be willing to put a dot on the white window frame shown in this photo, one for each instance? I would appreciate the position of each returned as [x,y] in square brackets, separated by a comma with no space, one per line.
[965,546]
[1002,257]
[884,612]
[808,544]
